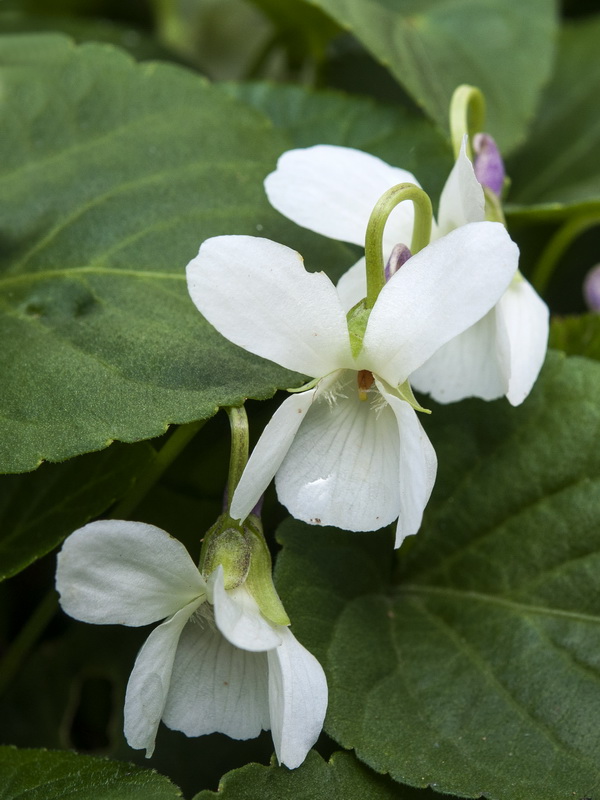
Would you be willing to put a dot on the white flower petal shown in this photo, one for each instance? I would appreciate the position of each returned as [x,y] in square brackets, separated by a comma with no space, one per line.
[417,466]
[126,573]
[438,293]
[150,679]
[258,295]
[215,687]
[526,319]
[352,286]
[332,190]
[470,365]
[238,617]
[462,199]
[342,467]
[297,699]
[269,452]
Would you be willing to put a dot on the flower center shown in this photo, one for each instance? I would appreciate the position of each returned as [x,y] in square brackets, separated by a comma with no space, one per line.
[365,380]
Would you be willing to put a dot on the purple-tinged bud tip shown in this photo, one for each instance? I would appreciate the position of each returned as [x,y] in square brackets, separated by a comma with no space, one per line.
[591,288]
[399,255]
[489,167]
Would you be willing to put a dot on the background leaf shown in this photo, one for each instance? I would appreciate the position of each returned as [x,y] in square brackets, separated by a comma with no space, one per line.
[38,510]
[432,46]
[43,775]
[476,667]
[342,777]
[397,135]
[111,175]
[558,170]
[577,335]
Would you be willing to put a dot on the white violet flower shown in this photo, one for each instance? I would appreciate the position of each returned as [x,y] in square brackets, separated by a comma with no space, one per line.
[349,450]
[332,190]
[214,664]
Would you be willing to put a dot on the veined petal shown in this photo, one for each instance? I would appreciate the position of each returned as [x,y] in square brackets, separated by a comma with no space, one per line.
[525,318]
[215,687]
[440,292]
[150,680]
[352,286]
[269,452]
[258,294]
[462,199]
[238,617]
[297,699]
[417,466]
[472,364]
[342,467]
[125,573]
[332,190]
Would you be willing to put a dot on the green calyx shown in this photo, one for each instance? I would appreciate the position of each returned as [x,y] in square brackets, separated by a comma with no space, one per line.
[357,319]
[226,544]
[260,575]
[405,393]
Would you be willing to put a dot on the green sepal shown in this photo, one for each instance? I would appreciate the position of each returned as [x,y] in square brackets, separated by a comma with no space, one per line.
[357,318]
[405,393]
[259,581]
[227,545]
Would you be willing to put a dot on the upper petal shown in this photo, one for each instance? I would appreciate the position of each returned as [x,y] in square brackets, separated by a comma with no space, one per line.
[269,452]
[127,573]
[470,365]
[342,467]
[215,687]
[238,617]
[297,699]
[150,680]
[462,199]
[525,318]
[417,466]
[332,190]
[438,293]
[258,294]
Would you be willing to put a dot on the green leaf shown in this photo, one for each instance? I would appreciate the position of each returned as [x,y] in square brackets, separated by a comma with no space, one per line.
[341,777]
[432,46]
[38,510]
[111,175]
[577,335]
[476,668]
[47,775]
[395,134]
[557,170]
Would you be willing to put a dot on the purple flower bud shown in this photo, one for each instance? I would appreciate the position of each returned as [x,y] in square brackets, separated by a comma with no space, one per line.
[399,255]
[591,288]
[489,167]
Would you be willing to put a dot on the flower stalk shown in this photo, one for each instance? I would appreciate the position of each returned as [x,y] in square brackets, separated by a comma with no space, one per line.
[374,257]
[467,115]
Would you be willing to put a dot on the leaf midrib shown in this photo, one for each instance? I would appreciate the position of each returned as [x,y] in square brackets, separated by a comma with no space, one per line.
[491,599]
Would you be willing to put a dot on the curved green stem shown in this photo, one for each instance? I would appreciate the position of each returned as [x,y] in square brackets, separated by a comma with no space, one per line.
[238,422]
[467,115]
[558,245]
[374,236]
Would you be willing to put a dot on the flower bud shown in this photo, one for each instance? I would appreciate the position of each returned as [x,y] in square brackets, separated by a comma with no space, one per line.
[399,255]
[489,167]
[591,288]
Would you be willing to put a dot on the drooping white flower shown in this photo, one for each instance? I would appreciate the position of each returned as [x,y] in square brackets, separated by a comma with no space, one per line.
[350,451]
[331,190]
[214,664]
